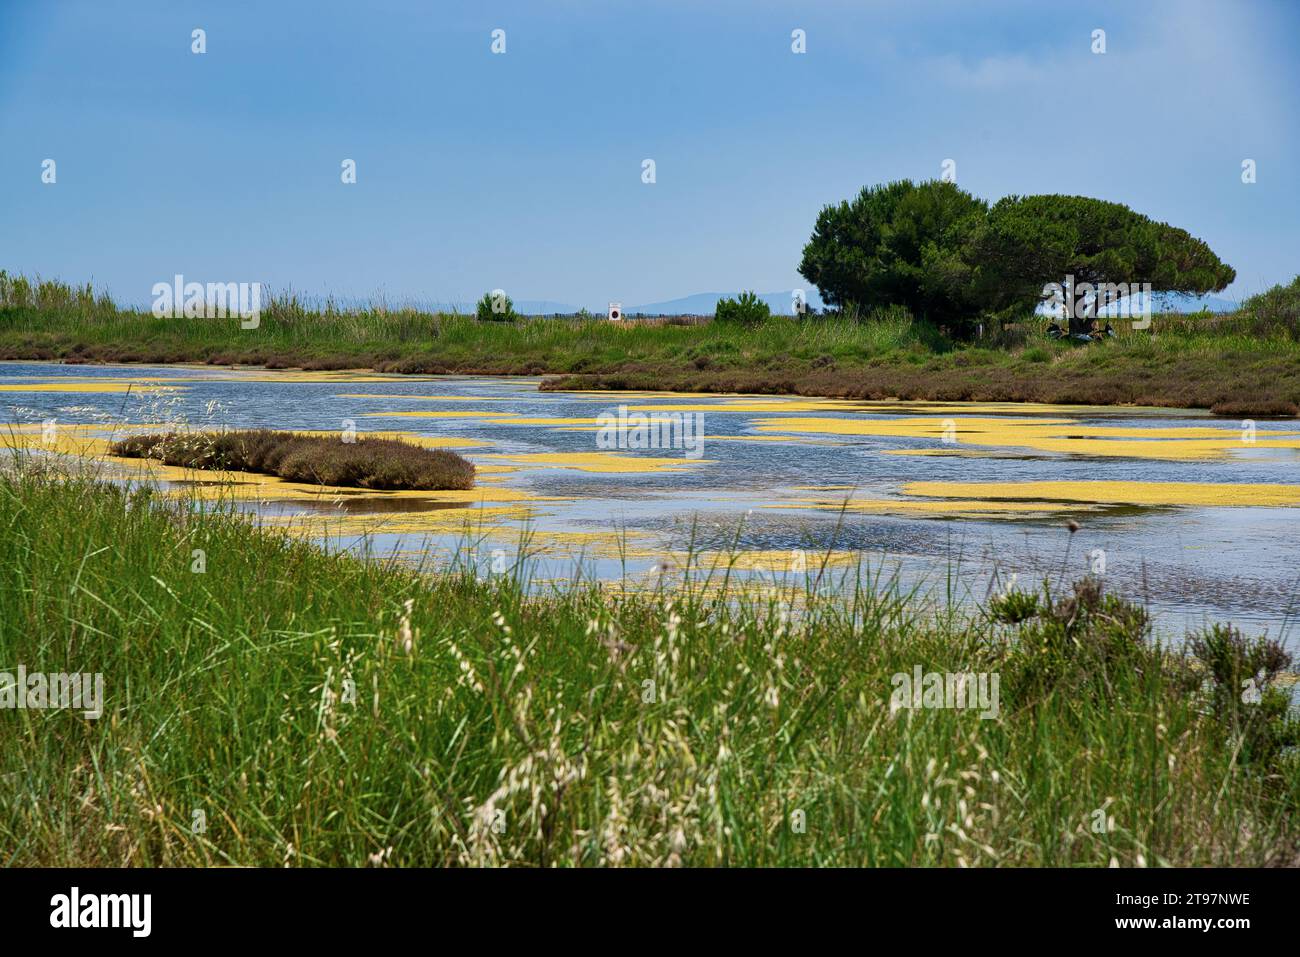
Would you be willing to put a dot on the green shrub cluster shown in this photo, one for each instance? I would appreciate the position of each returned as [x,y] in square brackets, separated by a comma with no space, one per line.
[745,308]
[1088,643]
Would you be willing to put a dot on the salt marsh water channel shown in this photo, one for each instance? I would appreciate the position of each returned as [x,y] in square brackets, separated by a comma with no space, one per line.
[1193,515]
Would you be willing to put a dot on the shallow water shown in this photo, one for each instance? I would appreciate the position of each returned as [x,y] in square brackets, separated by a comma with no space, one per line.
[1196,516]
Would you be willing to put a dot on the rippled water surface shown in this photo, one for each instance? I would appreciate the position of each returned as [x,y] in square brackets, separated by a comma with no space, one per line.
[1195,515]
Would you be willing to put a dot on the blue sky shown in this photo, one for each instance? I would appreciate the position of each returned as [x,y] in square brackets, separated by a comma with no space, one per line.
[523,170]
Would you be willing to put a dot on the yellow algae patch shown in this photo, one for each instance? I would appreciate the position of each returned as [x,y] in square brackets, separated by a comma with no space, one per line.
[769,438]
[65,439]
[1163,432]
[431,398]
[1011,498]
[487,417]
[437,414]
[210,484]
[545,420]
[545,537]
[430,441]
[300,375]
[949,508]
[778,560]
[91,378]
[237,375]
[1116,493]
[911,407]
[414,438]
[88,386]
[774,405]
[914,427]
[548,422]
[603,462]
[431,522]
[230,375]
[492,418]
[1158,449]
[535,542]
[965,453]
[29,435]
[427,441]
[758,402]
[1064,436]
[599,395]
[37,428]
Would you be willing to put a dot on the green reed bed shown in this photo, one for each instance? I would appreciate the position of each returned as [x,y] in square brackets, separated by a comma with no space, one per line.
[269,703]
[1243,364]
[315,459]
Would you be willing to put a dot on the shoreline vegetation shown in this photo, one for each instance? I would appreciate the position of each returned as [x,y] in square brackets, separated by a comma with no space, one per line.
[1245,363]
[335,709]
[314,459]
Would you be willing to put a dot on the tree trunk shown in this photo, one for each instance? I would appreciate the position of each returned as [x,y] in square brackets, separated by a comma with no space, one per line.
[1080,321]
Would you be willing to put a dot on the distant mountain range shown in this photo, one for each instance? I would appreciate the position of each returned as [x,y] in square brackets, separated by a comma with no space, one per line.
[1161,302]
[705,303]
[1174,302]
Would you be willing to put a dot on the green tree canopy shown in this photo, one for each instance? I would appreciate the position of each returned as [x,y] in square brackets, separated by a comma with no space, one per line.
[900,243]
[1030,241]
[950,258]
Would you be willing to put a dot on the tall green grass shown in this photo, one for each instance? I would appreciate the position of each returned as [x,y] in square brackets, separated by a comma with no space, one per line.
[1246,363]
[291,330]
[325,709]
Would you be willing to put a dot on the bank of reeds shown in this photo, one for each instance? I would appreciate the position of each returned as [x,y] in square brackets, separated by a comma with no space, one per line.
[1239,364]
[280,705]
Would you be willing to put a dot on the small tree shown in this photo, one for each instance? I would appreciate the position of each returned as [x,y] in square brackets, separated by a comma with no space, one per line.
[496,306]
[746,307]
